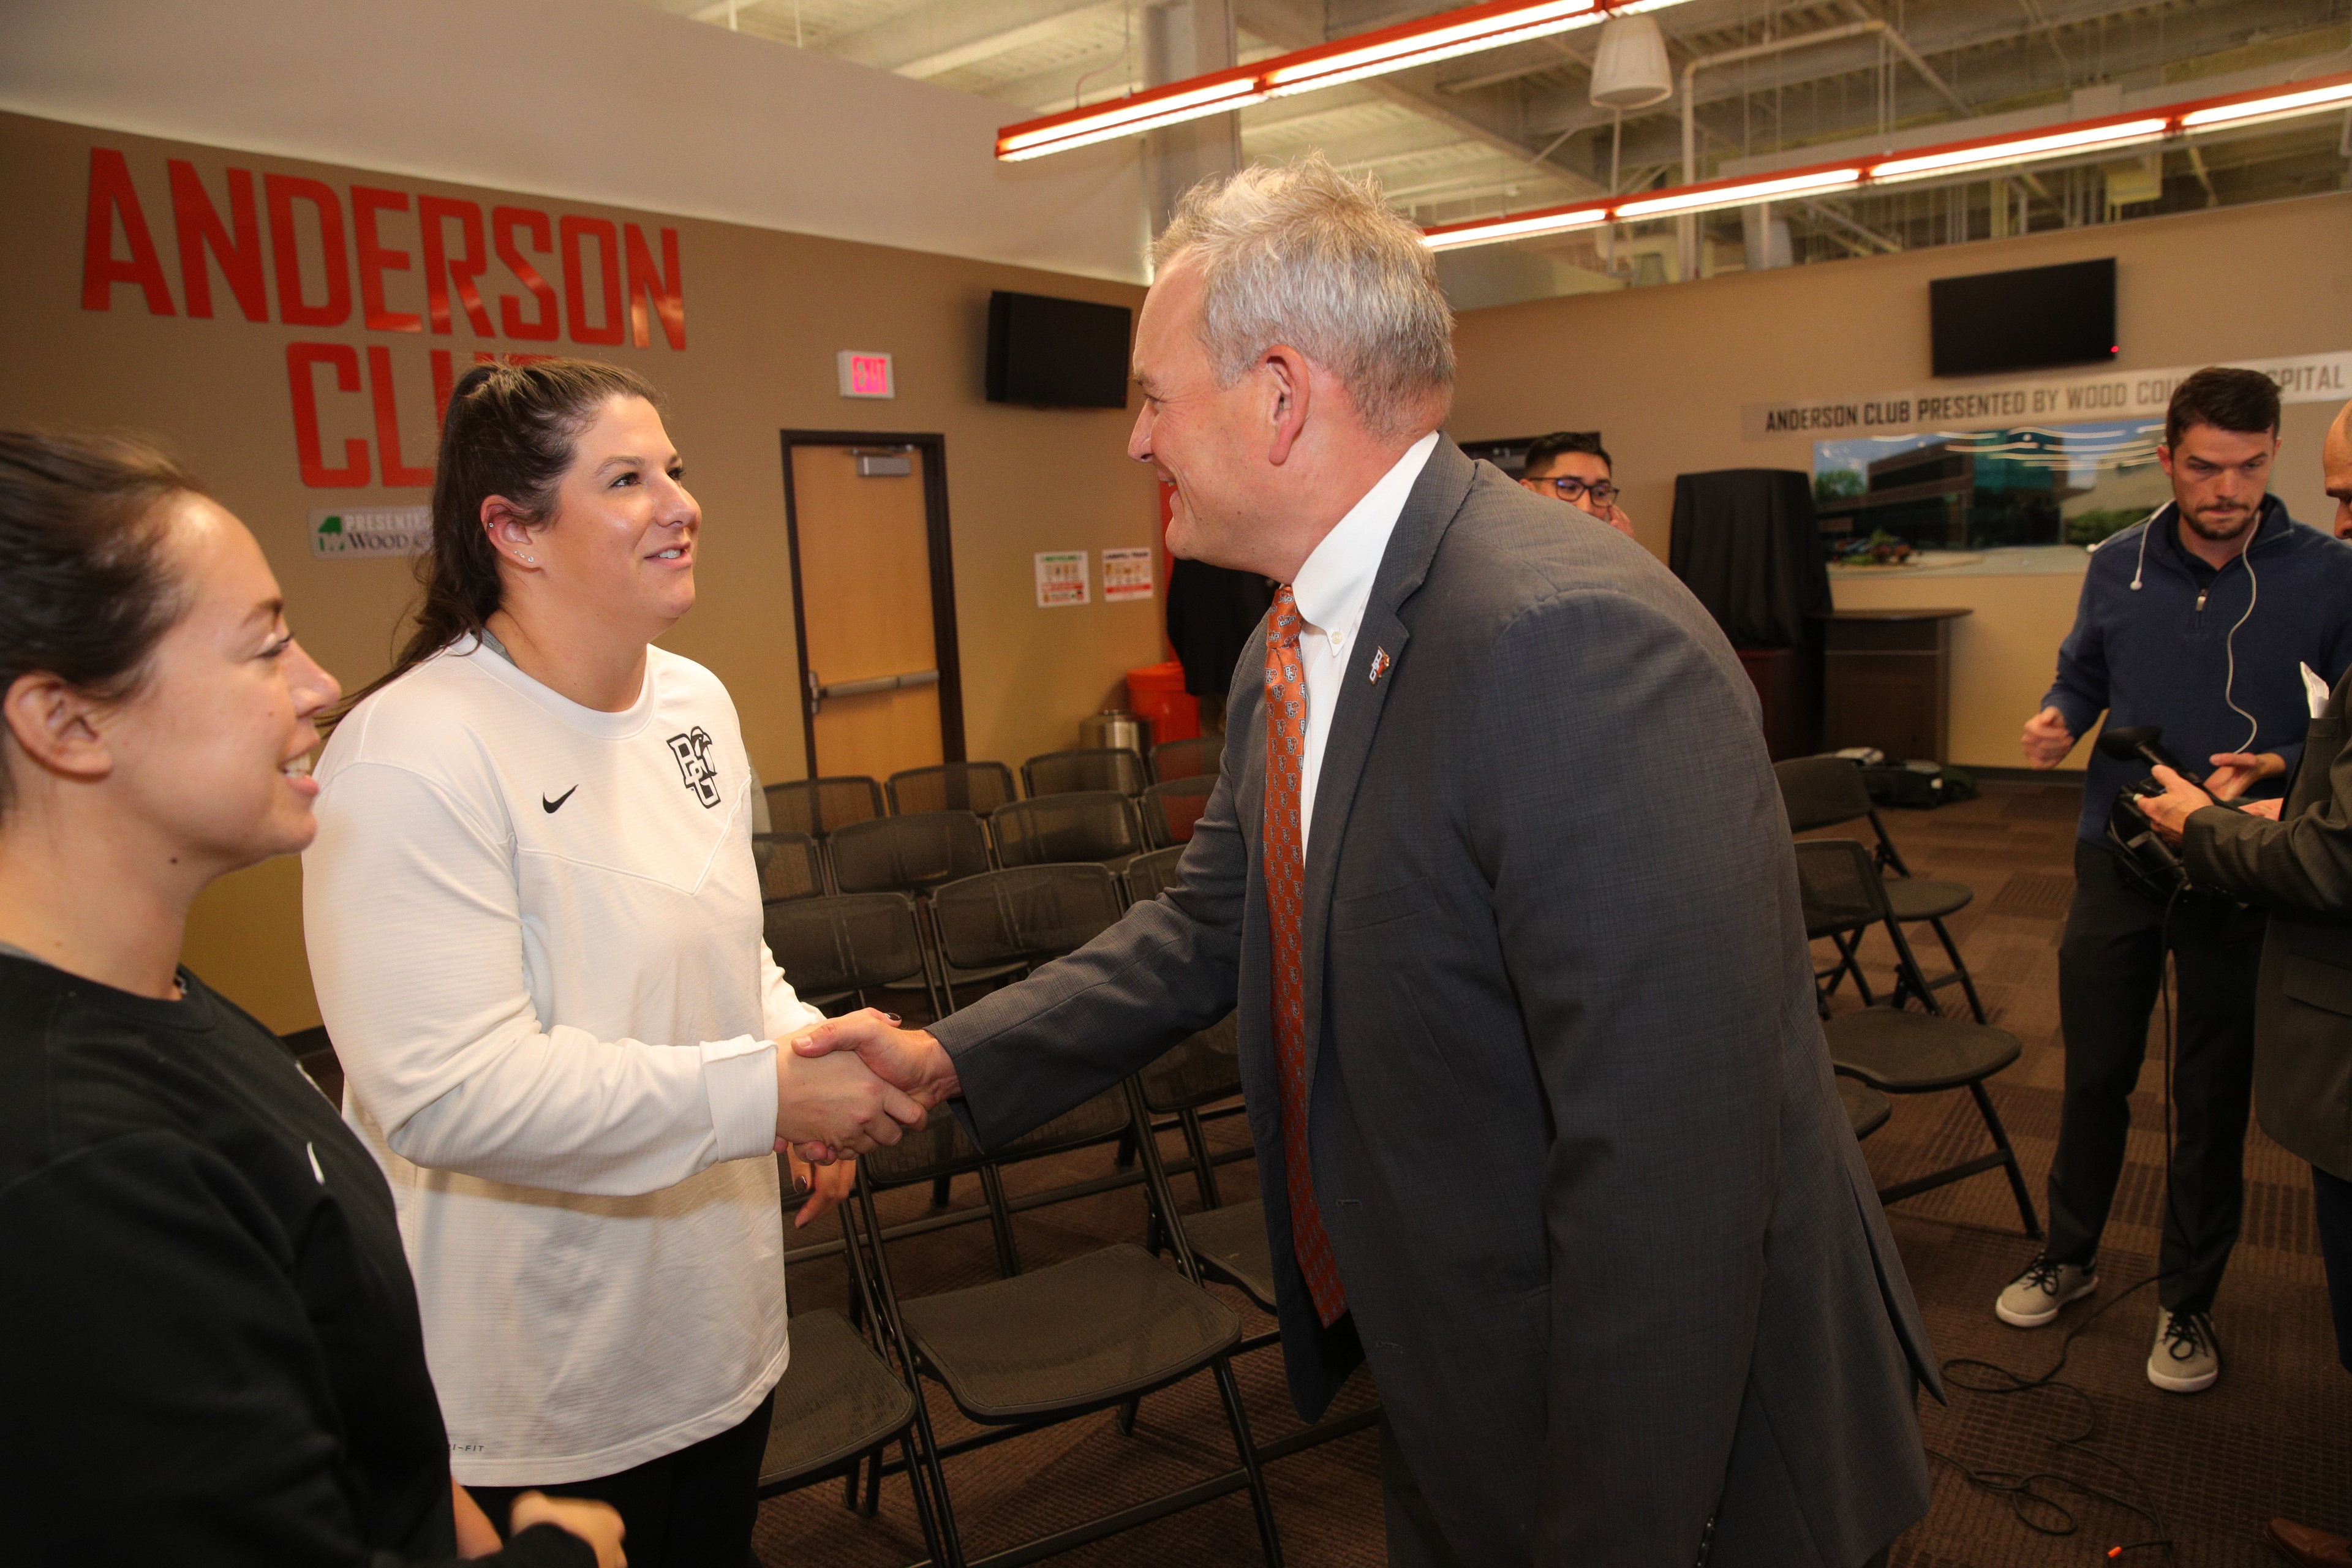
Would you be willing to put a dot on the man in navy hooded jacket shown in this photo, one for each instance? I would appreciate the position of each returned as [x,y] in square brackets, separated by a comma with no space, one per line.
[2203,620]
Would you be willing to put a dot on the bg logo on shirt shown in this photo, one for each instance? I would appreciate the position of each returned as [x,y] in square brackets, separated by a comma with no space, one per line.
[692,751]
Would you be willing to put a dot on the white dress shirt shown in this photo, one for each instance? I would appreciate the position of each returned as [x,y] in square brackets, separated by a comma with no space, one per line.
[1331,590]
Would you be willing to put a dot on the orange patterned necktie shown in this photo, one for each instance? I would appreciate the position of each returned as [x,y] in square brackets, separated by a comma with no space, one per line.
[1285,891]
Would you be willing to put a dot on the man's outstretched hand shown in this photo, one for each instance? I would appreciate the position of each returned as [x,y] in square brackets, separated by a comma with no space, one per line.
[829,1109]
[911,1060]
[2235,772]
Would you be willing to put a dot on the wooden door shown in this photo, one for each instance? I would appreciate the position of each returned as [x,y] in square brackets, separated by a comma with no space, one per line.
[864,543]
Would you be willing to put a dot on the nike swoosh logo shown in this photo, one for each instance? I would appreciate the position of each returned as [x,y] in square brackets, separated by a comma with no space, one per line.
[552,806]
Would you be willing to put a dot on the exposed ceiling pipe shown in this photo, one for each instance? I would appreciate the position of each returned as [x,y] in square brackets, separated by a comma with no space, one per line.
[1567,54]
[1869,25]
[1830,215]
[2204,176]
[1777,46]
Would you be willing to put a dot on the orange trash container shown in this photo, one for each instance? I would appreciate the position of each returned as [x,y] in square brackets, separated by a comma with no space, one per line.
[1157,692]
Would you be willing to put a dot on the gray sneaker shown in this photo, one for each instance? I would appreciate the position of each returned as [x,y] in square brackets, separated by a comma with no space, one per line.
[2186,1358]
[2033,1297]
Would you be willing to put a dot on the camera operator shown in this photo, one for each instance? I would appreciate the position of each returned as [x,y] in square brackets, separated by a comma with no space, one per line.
[2299,866]
[2194,621]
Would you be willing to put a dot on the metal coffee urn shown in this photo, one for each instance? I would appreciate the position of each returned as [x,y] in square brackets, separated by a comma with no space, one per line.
[1116,727]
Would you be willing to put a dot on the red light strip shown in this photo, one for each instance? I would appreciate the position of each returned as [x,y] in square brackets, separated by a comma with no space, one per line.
[2318,96]
[1432,38]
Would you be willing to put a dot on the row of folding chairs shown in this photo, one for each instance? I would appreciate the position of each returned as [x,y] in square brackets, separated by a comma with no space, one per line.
[822,806]
[1039,1346]
[908,948]
[914,853]
[1851,890]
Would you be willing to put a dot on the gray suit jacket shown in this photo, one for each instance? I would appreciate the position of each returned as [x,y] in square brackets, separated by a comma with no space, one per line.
[2300,869]
[1609,1245]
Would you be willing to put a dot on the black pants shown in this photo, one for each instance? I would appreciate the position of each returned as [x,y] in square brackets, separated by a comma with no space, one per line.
[2331,1205]
[693,1508]
[2108,968]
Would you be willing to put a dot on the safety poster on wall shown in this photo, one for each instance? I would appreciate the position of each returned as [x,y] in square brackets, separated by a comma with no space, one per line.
[1061,578]
[1127,575]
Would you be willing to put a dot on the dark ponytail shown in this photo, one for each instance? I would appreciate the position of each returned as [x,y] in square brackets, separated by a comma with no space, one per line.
[511,430]
[87,593]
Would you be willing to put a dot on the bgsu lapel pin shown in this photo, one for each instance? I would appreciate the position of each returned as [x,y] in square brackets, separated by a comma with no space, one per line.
[1380,664]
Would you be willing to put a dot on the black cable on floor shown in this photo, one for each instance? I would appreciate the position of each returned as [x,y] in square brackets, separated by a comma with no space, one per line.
[2023,1492]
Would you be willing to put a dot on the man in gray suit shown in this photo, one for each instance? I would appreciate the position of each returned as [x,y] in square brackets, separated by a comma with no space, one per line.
[1498,876]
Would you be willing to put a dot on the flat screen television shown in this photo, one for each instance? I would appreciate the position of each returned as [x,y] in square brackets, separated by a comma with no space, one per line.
[2032,319]
[1057,353]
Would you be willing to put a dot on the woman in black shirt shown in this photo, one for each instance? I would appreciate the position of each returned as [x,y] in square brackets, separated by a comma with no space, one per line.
[209,1345]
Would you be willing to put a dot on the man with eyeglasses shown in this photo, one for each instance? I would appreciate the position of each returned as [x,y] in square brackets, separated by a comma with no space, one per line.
[1574,466]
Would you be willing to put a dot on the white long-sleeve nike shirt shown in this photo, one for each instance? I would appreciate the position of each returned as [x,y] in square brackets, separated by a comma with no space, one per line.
[535,933]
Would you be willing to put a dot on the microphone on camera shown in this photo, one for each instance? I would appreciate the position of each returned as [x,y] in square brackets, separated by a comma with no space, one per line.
[2127,742]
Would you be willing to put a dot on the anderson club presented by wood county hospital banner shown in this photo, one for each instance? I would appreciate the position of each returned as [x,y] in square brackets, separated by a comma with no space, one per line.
[2105,395]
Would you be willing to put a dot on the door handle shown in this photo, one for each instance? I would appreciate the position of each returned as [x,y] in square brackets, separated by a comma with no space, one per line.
[818,690]
[877,683]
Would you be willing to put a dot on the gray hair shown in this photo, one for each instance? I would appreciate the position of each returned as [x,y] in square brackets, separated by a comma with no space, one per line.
[1304,256]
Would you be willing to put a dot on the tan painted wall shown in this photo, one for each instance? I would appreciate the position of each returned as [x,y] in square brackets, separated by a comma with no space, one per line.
[1663,372]
[765,314]
[2004,652]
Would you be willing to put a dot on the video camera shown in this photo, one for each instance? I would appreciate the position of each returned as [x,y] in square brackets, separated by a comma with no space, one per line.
[2149,863]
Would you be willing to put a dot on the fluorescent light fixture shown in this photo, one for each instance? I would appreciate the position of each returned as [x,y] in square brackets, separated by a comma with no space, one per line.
[1468,30]
[1697,198]
[2269,105]
[2020,148]
[2319,95]
[1128,116]
[1489,232]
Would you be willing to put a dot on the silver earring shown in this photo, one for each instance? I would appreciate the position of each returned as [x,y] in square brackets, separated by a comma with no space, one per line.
[530,560]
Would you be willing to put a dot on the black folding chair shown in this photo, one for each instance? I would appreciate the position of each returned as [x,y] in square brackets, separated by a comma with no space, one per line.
[1866,1109]
[977,787]
[1152,873]
[1094,768]
[833,949]
[1895,1051]
[1188,759]
[1827,792]
[1062,829]
[1170,809]
[791,866]
[1226,1242]
[910,854]
[1098,1332]
[913,854]
[842,1404]
[817,806]
[1007,923]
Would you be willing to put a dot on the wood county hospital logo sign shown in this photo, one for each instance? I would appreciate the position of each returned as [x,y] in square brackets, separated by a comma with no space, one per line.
[342,531]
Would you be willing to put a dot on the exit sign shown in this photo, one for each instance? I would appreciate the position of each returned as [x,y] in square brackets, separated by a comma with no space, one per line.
[866,376]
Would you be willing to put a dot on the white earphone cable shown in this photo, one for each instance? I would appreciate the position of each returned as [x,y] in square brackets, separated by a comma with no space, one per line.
[2229,643]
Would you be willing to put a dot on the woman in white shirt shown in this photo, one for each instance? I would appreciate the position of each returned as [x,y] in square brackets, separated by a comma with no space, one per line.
[534,925]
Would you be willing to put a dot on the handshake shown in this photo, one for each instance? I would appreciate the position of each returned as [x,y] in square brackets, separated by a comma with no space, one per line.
[851,1085]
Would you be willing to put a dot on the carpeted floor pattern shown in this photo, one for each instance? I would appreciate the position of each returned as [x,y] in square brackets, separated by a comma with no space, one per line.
[2273,1438]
